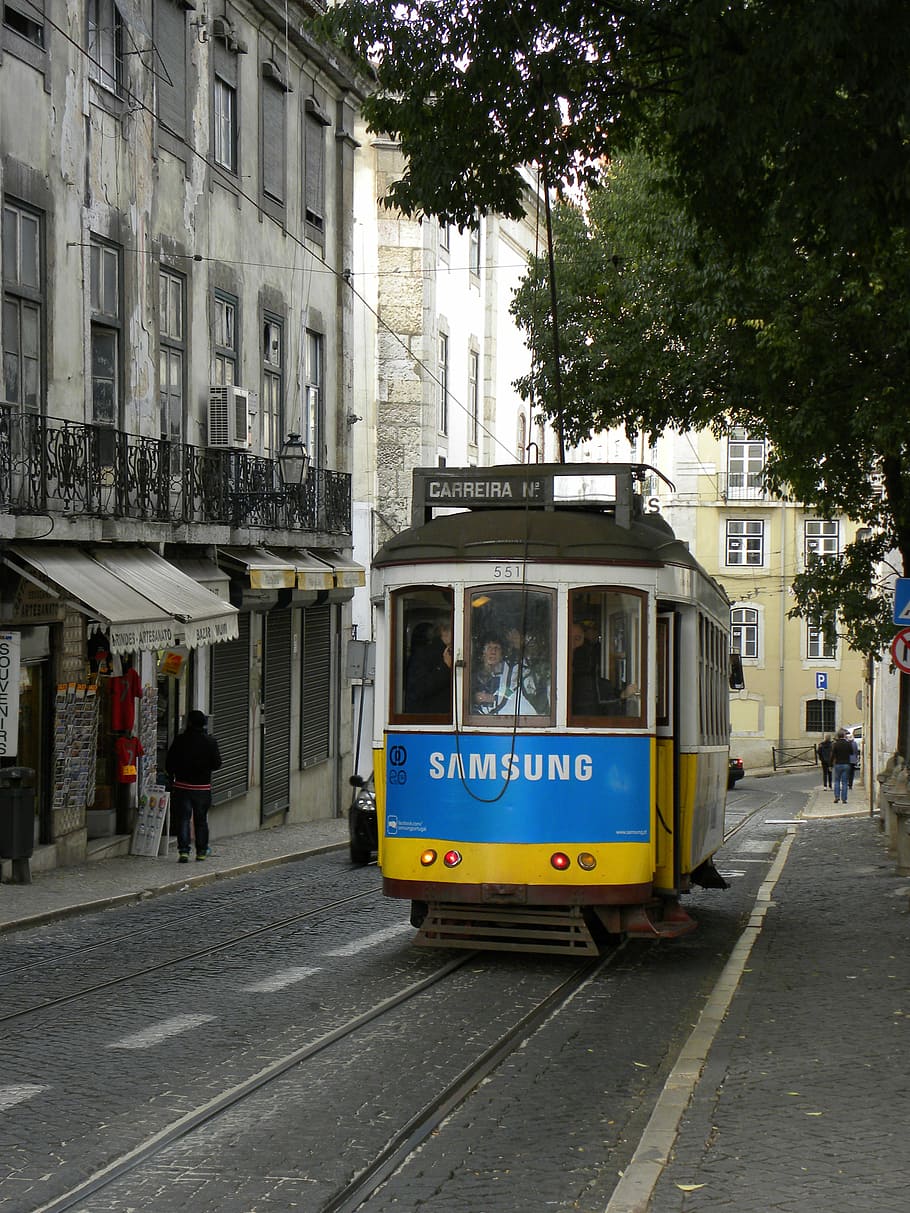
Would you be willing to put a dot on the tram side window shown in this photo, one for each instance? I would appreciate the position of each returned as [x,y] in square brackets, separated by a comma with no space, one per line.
[422,654]
[606,673]
[510,643]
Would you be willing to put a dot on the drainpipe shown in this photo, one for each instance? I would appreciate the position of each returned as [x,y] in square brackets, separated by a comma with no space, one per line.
[783,625]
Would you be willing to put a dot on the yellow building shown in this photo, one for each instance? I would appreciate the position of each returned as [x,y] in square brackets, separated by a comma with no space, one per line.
[800,682]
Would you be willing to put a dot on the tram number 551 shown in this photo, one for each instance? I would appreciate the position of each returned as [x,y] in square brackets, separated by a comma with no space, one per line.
[507,572]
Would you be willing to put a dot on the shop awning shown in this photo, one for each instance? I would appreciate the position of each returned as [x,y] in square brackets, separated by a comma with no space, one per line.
[132,621]
[205,573]
[346,573]
[202,617]
[312,573]
[261,569]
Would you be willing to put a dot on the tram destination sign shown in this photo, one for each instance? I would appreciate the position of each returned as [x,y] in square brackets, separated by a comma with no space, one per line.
[487,488]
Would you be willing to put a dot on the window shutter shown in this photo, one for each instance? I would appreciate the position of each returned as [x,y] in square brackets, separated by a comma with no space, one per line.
[231,713]
[171,69]
[273,140]
[314,169]
[316,690]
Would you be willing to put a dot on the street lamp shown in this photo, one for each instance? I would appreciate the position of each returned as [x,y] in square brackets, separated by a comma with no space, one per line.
[293,462]
[293,469]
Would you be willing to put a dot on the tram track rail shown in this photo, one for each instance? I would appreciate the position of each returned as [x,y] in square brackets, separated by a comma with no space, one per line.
[197,954]
[352,1194]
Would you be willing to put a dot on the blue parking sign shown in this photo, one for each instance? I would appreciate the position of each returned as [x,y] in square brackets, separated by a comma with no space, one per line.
[821,681]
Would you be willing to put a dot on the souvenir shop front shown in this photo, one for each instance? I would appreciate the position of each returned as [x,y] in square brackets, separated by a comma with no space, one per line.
[100,630]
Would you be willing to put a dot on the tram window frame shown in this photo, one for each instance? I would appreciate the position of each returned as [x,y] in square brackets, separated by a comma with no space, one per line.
[713,682]
[413,607]
[510,610]
[625,650]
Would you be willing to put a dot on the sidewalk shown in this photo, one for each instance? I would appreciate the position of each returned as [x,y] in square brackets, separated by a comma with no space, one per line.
[97,884]
[791,1093]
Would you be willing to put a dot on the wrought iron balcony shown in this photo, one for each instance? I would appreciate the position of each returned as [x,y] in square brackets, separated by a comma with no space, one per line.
[51,466]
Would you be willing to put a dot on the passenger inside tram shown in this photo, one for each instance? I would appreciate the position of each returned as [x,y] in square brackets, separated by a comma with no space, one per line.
[594,694]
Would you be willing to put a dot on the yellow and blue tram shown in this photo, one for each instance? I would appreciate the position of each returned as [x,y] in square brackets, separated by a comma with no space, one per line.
[552,709]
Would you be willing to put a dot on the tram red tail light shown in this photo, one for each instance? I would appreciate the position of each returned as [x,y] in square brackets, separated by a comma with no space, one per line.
[587,862]
[428,857]
[559,861]
[452,859]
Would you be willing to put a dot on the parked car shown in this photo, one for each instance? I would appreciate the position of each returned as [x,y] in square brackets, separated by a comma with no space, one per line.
[362,829]
[736,772]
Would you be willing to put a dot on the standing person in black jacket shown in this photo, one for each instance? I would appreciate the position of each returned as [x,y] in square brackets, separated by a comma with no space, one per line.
[825,753]
[842,753]
[190,761]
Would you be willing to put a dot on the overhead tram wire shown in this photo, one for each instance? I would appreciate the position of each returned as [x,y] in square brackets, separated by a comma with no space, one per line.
[343,275]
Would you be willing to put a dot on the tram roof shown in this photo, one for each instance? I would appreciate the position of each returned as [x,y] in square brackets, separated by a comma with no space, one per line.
[549,536]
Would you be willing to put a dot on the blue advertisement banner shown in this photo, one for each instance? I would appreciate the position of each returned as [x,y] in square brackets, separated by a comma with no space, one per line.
[547,789]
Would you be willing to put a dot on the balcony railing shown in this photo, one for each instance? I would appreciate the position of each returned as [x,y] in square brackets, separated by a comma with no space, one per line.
[48,465]
[743,486]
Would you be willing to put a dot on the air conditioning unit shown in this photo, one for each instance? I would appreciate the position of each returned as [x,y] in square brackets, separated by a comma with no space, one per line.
[229,417]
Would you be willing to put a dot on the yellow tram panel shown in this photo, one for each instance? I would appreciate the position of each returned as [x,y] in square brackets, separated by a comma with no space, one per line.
[617,863]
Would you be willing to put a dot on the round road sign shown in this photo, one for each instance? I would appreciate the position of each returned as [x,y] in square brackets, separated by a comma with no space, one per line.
[900,650]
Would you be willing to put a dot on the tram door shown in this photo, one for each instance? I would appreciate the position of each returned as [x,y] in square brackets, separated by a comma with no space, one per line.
[666,863]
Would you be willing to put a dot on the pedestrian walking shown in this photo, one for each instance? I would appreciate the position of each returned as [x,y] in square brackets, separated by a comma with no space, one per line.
[824,752]
[192,757]
[842,751]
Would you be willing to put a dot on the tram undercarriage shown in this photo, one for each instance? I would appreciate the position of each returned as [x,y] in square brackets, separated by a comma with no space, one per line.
[566,930]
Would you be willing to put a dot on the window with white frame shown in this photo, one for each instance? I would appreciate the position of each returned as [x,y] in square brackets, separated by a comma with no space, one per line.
[225,111]
[474,249]
[272,401]
[224,103]
[745,463]
[224,340]
[23,307]
[105,335]
[744,631]
[105,44]
[745,542]
[445,236]
[819,643]
[821,538]
[312,422]
[171,354]
[473,396]
[442,384]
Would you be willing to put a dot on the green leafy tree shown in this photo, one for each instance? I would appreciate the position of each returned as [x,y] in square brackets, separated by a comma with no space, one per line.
[659,328]
[756,269]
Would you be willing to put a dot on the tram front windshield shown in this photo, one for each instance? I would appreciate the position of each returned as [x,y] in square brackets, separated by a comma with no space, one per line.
[507,649]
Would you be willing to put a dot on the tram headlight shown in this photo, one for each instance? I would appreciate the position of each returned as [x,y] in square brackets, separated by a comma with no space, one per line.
[452,859]
[586,861]
[428,857]
[560,861]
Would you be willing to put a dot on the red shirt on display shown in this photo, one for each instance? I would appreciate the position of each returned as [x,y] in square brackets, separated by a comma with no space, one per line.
[124,691]
[127,750]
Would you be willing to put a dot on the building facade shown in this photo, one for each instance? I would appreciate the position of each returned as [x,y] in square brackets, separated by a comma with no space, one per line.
[801,683]
[177,223]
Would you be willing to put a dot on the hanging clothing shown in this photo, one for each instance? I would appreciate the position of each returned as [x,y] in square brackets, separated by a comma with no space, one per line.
[127,750]
[125,690]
